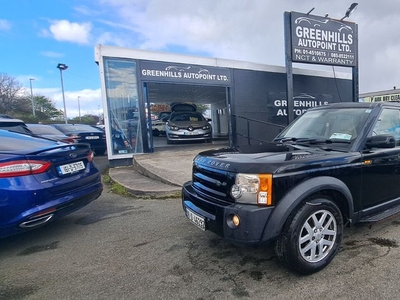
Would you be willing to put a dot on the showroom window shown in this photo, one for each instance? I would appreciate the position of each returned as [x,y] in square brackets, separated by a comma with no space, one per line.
[123,106]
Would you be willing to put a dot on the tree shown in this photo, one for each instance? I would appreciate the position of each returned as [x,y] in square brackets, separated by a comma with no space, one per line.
[16,101]
[86,119]
[45,108]
[12,96]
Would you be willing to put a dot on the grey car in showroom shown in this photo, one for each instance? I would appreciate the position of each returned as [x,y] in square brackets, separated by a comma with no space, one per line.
[187,124]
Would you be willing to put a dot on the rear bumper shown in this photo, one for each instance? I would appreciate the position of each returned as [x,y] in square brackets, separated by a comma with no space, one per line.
[218,218]
[51,210]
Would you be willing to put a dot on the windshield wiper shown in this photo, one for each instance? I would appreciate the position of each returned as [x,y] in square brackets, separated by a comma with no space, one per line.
[311,141]
[285,139]
[328,141]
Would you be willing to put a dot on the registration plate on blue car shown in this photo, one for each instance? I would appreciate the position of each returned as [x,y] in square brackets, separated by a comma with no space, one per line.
[196,219]
[71,168]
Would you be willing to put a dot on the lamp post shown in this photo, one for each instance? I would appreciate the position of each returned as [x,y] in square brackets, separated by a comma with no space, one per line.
[33,104]
[63,67]
[350,10]
[79,108]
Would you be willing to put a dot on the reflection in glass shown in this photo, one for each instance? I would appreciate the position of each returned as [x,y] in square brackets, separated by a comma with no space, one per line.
[123,108]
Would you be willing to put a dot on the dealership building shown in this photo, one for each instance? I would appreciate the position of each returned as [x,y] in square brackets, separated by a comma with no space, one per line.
[247,101]
[387,95]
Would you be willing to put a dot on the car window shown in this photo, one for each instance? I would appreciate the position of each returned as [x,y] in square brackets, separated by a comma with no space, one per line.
[16,127]
[187,116]
[388,123]
[77,128]
[44,130]
[338,124]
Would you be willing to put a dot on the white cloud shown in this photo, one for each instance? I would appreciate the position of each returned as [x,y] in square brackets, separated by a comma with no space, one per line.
[252,30]
[5,25]
[52,54]
[89,101]
[63,30]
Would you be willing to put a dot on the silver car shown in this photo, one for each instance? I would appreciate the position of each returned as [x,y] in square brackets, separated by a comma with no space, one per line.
[188,126]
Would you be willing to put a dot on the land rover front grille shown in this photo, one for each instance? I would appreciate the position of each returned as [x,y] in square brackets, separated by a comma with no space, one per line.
[214,183]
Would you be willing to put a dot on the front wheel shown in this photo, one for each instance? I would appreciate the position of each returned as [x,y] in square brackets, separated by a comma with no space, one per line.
[311,236]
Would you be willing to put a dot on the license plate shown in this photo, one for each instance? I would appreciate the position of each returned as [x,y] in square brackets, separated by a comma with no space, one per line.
[92,137]
[71,168]
[189,133]
[196,219]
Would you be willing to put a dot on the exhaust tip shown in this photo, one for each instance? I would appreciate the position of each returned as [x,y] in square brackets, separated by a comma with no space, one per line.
[36,221]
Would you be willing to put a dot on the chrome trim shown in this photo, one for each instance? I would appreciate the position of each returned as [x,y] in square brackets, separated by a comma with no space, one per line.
[36,221]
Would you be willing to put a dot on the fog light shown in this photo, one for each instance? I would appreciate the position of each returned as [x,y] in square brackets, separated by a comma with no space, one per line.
[235,220]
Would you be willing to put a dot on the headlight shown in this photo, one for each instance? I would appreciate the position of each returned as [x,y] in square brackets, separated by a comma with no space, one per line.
[172,127]
[206,127]
[253,189]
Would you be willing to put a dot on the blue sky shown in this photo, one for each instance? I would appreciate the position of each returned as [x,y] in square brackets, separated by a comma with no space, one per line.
[36,35]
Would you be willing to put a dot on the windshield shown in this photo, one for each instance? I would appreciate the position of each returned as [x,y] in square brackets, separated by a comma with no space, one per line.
[334,125]
[187,116]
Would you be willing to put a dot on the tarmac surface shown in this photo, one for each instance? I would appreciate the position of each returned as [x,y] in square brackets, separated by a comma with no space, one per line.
[161,174]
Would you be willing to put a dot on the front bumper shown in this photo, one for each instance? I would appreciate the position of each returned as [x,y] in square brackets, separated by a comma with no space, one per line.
[218,217]
[186,135]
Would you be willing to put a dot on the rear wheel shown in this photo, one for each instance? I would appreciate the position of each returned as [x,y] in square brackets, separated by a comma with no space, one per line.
[311,236]
[100,151]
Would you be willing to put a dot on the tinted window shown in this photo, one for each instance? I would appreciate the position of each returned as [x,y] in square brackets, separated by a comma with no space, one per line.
[44,129]
[77,128]
[13,126]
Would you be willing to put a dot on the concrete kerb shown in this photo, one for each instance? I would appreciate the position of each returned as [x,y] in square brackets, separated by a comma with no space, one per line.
[159,174]
[138,185]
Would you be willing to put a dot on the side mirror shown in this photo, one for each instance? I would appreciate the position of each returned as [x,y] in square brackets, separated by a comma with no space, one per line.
[208,119]
[381,141]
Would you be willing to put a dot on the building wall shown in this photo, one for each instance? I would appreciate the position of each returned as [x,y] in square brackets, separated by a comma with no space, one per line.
[257,93]
[259,101]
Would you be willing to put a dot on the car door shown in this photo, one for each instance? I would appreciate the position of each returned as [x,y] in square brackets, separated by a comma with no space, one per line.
[381,171]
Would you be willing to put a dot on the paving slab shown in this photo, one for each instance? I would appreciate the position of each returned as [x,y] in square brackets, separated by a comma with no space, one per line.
[160,174]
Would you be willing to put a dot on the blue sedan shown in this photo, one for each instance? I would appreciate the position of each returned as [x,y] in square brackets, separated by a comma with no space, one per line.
[42,180]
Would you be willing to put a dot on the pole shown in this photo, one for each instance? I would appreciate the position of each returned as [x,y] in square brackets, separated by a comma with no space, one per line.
[289,67]
[62,88]
[33,104]
[79,108]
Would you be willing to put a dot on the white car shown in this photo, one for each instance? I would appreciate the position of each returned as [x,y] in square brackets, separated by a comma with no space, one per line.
[158,126]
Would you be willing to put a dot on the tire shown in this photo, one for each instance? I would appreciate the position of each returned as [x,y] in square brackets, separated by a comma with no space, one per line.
[156,132]
[301,239]
[100,151]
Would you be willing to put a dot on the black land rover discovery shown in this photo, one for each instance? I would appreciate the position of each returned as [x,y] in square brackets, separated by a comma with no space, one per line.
[335,165]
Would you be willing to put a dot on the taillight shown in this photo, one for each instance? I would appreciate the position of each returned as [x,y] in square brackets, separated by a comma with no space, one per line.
[90,156]
[68,140]
[23,168]
[75,136]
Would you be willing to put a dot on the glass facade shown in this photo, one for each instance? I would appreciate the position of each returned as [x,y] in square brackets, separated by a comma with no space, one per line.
[123,106]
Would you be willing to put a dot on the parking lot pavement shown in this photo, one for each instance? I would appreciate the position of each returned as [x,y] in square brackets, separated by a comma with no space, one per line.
[124,248]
